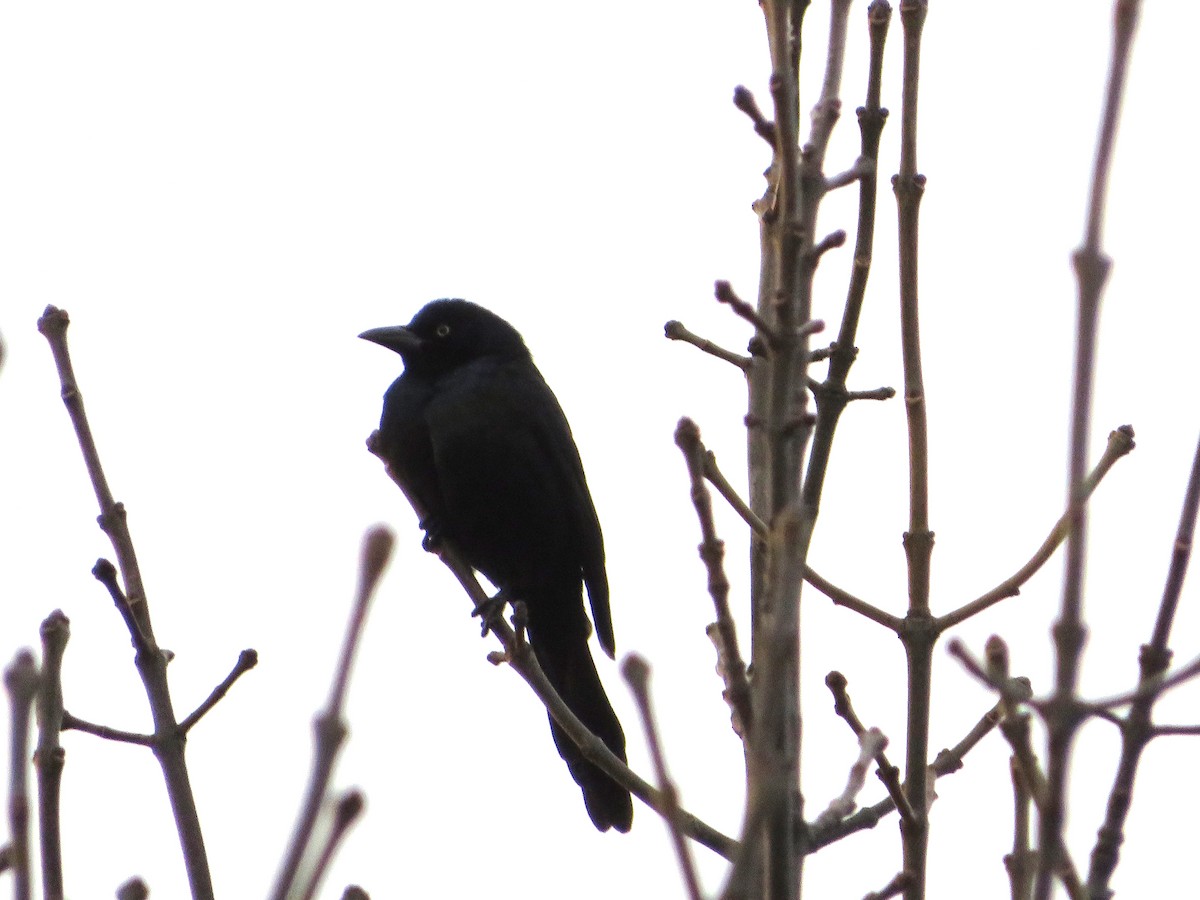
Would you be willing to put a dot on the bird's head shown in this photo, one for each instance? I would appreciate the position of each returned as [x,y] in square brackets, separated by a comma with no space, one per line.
[447,334]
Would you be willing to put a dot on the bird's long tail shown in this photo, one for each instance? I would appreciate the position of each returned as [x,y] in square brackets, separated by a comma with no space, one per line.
[558,634]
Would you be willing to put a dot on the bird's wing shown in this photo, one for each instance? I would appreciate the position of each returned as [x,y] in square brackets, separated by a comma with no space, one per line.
[507,411]
[556,434]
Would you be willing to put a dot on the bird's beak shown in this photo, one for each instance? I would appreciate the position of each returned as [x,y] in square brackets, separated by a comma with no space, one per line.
[394,337]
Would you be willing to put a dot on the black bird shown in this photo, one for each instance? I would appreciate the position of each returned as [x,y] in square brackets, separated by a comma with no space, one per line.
[481,447]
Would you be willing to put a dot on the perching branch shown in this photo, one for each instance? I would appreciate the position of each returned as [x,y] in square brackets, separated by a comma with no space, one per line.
[521,659]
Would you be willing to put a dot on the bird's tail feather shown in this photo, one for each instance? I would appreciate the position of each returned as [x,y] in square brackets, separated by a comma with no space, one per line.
[560,646]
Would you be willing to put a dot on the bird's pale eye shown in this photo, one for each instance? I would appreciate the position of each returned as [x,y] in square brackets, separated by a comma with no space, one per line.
[442,330]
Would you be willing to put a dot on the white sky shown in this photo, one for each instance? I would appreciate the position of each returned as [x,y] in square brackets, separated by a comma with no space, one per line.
[223,197]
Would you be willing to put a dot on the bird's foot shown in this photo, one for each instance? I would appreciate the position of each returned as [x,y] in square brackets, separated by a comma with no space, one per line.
[490,612]
[432,542]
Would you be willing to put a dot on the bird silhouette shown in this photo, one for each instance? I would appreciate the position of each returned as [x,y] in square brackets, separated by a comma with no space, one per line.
[480,445]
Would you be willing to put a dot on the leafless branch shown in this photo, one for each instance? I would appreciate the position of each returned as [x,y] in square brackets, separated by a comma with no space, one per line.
[346,812]
[150,660]
[675,331]
[521,659]
[888,773]
[1091,269]
[1120,443]
[49,758]
[329,727]
[712,552]
[637,673]
[21,679]
[893,888]
[744,100]
[246,661]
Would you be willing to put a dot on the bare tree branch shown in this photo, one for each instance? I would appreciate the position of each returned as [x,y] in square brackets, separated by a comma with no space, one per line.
[888,773]
[346,812]
[329,727]
[21,679]
[676,331]
[1120,443]
[150,660]
[49,758]
[1091,269]
[246,661]
[637,673]
[712,552]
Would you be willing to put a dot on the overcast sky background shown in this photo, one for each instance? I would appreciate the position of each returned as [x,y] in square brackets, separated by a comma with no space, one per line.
[224,196]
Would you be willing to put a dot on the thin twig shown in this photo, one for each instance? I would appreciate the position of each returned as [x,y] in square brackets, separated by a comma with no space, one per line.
[1120,443]
[347,811]
[1015,727]
[1137,729]
[832,396]
[888,773]
[871,744]
[1174,730]
[74,723]
[712,552]
[1149,689]
[637,673]
[149,660]
[861,168]
[831,241]
[1091,269]
[21,679]
[893,888]
[49,758]
[744,100]
[838,595]
[246,661]
[882,393]
[725,293]
[329,727]
[947,762]
[726,490]
[675,331]
[1021,862]
[53,325]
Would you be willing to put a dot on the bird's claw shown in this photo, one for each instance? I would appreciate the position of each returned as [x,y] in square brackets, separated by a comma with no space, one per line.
[490,612]
[432,542]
